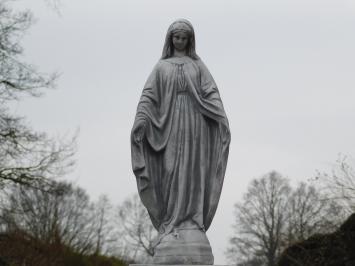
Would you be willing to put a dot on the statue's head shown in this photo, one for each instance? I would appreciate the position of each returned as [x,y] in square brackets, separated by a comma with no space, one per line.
[181,37]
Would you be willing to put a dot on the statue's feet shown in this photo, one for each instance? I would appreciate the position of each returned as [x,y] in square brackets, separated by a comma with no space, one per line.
[184,247]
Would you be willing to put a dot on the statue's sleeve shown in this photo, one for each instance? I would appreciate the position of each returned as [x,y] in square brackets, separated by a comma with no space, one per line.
[210,97]
[143,157]
[145,111]
[149,98]
[212,107]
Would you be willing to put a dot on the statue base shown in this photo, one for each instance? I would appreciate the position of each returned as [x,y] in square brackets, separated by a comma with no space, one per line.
[184,247]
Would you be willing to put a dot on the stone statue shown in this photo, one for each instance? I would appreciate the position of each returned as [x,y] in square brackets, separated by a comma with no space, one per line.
[180,141]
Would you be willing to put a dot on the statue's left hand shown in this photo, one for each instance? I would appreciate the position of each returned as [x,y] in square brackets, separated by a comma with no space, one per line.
[139,132]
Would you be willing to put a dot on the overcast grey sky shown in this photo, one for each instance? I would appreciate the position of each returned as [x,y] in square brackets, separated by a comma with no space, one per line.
[285,70]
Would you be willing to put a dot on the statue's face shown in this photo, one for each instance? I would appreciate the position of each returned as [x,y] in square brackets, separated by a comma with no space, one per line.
[180,40]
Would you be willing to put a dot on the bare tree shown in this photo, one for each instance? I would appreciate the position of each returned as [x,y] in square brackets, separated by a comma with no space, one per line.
[105,238]
[31,158]
[260,221]
[17,78]
[135,229]
[339,184]
[64,217]
[273,216]
[26,157]
[308,214]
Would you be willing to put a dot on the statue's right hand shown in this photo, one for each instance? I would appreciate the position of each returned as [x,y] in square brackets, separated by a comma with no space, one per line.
[139,132]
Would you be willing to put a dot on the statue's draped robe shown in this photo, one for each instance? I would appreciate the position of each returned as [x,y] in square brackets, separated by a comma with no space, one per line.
[181,162]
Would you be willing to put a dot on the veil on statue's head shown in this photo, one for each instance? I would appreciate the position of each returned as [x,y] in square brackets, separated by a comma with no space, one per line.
[180,25]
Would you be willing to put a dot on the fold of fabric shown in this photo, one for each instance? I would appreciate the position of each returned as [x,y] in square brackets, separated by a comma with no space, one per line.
[181,162]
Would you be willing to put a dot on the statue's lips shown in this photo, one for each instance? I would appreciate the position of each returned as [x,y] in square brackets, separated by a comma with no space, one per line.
[180,46]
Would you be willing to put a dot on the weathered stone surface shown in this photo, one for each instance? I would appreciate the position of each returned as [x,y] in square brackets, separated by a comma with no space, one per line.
[336,249]
[180,142]
[184,247]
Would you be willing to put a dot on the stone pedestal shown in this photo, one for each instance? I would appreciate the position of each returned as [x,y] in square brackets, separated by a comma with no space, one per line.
[184,247]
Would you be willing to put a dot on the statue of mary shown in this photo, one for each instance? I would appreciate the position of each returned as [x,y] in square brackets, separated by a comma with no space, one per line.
[179,143]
